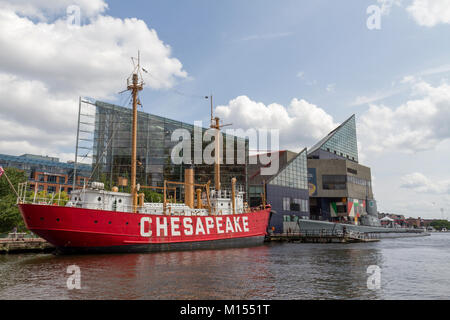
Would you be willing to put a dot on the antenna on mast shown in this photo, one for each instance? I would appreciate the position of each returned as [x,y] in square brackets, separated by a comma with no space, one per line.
[211,99]
[135,84]
[215,124]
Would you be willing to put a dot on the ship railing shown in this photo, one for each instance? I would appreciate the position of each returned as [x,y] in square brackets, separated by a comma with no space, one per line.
[27,196]
[52,200]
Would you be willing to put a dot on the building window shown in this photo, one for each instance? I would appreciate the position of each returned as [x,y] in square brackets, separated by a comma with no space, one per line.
[286,204]
[295,205]
[353,171]
[334,182]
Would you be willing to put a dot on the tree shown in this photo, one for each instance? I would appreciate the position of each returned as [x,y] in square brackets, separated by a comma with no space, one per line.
[152,196]
[440,224]
[10,216]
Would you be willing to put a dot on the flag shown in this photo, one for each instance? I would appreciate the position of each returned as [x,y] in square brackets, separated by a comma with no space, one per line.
[1,171]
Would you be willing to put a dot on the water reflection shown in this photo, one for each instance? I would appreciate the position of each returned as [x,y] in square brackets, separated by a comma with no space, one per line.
[411,268]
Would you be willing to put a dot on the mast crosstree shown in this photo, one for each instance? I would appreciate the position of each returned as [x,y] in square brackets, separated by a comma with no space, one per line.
[135,84]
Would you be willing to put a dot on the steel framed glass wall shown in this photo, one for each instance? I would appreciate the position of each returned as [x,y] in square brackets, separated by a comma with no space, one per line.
[343,142]
[288,193]
[112,150]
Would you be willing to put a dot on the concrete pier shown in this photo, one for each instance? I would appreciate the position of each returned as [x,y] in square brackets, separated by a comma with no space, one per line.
[323,236]
[21,245]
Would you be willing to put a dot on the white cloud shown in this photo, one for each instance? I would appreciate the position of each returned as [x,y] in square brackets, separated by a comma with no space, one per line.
[420,183]
[43,9]
[301,123]
[430,12]
[32,120]
[416,125]
[44,67]
[91,60]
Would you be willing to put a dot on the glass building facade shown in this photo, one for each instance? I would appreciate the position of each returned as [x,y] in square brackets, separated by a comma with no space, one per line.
[286,191]
[340,186]
[294,175]
[112,150]
[341,142]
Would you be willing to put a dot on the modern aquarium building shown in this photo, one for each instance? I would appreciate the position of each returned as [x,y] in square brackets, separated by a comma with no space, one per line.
[340,188]
[111,150]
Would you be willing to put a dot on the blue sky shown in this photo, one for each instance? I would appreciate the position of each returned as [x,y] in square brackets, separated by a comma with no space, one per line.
[299,66]
[258,48]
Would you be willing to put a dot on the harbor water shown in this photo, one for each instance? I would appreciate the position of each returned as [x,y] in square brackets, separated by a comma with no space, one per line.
[410,268]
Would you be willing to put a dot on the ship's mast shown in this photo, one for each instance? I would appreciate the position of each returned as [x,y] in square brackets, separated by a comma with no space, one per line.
[215,124]
[135,85]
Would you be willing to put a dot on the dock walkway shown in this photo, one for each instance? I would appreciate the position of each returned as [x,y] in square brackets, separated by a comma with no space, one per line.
[21,244]
[324,236]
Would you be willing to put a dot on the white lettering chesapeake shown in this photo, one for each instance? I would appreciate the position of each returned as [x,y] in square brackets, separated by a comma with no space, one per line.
[161,226]
[188,230]
[209,224]
[237,227]
[219,224]
[199,227]
[145,220]
[229,226]
[245,223]
[175,226]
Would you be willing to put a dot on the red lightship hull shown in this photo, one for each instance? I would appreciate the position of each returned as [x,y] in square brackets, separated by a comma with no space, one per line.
[72,229]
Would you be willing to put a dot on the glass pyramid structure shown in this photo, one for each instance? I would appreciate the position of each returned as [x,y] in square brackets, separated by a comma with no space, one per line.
[341,141]
[294,174]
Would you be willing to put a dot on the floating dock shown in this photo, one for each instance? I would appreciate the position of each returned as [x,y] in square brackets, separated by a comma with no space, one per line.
[22,245]
[324,236]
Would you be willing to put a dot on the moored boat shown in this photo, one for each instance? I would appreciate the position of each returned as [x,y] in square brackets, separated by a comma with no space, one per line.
[99,220]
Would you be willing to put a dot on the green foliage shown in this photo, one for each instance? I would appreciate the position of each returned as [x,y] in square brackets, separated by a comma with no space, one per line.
[104,179]
[152,196]
[439,224]
[9,212]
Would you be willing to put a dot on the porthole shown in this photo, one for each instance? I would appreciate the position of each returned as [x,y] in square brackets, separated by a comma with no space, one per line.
[109,222]
[120,200]
[95,221]
[126,223]
[57,219]
[99,199]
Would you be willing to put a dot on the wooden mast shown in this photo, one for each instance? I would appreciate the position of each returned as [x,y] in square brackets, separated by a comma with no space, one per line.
[135,86]
[215,124]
